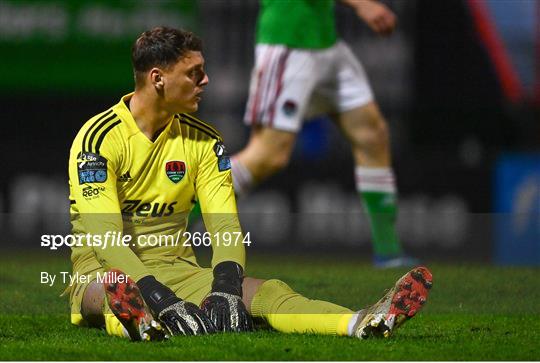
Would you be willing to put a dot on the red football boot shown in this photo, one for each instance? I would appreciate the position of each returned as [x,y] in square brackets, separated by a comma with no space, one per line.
[127,304]
[398,305]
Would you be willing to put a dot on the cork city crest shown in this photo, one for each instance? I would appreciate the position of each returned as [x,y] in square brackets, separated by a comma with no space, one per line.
[175,170]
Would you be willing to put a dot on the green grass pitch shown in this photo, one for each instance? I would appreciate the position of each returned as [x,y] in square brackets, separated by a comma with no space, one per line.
[475,312]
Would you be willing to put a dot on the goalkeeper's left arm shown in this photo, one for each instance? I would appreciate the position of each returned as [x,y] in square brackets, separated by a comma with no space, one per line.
[215,192]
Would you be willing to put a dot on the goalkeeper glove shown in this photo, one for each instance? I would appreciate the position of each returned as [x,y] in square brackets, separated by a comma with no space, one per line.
[224,304]
[179,317]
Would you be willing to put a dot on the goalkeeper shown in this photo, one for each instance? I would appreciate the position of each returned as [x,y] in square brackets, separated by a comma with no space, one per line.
[137,169]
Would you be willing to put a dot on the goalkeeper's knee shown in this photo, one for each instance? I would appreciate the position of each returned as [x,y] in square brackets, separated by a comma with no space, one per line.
[269,296]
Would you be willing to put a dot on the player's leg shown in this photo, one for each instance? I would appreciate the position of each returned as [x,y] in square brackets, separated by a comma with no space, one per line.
[267,152]
[289,312]
[96,312]
[272,300]
[89,308]
[116,305]
[367,131]
[92,304]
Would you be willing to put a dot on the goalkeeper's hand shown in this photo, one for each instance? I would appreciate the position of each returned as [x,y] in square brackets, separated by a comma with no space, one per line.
[179,317]
[224,304]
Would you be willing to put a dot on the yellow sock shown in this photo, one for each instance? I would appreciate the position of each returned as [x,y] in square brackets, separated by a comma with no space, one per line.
[290,312]
[114,327]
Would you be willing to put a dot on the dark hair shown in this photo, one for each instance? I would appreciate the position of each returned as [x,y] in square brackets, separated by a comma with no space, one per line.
[161,47]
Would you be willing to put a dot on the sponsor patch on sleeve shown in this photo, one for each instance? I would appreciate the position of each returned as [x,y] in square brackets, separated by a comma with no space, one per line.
[224,163]
[92,168]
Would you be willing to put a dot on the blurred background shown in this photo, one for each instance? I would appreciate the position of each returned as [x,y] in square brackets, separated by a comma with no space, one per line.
[459,82]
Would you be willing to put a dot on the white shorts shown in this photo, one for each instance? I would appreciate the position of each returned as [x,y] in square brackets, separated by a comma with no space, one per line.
[289,85]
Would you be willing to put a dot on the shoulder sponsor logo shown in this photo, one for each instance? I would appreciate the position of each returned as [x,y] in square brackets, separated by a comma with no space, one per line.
[89,192]
[175,170]
[224,163]
[92,168]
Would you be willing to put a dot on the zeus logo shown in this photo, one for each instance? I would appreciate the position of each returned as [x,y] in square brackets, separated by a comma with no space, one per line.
[134,207]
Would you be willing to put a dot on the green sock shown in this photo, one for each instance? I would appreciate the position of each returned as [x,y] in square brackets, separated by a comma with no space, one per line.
[382,210]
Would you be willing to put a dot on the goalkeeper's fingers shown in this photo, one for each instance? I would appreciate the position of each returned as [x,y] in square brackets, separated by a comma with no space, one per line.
[228,313]
[184,318]
[246,321]
[205,325]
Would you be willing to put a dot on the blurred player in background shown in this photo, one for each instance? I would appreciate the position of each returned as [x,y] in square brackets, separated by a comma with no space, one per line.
[302,70]
[135,170]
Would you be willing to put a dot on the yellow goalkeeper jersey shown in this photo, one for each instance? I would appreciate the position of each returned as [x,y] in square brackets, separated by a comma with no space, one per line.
[123,184]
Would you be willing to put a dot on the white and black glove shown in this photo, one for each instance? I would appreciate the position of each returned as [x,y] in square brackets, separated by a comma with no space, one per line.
[224,304]
[179,317]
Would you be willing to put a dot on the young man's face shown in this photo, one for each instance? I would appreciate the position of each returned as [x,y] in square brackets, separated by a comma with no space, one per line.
[184,82]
